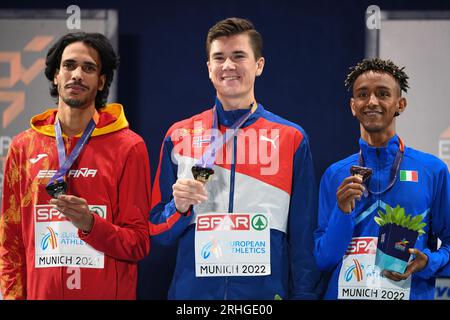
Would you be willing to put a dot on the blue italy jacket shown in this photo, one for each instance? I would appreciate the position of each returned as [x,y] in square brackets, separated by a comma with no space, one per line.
[428,196]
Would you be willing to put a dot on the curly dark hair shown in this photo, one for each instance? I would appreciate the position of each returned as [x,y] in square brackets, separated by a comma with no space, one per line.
[376,64]
[109,60]
[233,26]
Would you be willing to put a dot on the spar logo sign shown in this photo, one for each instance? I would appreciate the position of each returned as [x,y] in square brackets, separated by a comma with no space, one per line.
[48,213]
[363,245]
[259,222]
[231,222]
[222,222]
[98,210]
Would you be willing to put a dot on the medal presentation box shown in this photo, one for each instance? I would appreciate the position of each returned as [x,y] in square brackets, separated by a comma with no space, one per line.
[394,242]
[397,234]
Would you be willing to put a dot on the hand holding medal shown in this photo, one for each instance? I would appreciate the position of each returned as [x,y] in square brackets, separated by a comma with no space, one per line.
[188,192]
[76,210]
[352,188]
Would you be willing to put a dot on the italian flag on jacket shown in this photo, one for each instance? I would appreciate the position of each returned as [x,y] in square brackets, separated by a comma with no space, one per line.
[409,175]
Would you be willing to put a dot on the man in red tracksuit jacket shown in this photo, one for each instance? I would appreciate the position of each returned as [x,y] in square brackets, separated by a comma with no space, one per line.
[84,244]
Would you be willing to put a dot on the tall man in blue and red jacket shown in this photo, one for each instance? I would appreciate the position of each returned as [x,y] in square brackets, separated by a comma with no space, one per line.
[76,193]
[235,187]
[346,238]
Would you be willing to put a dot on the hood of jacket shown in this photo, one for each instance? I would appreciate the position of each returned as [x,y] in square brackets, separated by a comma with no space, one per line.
[110,118]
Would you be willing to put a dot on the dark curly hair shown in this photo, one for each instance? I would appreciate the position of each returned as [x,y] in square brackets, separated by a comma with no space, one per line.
[376,64]
[109,60]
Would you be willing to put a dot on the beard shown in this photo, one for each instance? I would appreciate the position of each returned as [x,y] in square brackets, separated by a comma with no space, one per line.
[81,101]
[76,103]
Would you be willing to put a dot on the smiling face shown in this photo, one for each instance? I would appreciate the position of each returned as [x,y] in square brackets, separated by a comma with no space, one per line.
[376,99]
[78,78]
[233,68]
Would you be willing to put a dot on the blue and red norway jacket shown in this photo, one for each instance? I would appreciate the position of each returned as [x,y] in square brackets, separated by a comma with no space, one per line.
[280,183]
[429,196]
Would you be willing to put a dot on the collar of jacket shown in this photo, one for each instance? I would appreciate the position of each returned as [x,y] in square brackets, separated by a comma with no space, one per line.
[228,118]
[111,118]
[379,156]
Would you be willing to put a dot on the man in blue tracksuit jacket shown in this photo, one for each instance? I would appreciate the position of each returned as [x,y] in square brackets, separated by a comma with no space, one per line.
[226,250]
[346,238]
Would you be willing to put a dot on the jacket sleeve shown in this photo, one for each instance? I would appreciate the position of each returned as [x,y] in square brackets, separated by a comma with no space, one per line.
[438,261]
[335,228]
[305,275]
[166,224]
[128,237]
[13,277]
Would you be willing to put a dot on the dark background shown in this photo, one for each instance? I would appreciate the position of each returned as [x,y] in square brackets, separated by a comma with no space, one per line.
[308,46]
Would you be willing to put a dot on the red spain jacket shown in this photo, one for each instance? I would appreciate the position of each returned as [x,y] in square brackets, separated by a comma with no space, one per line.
[112,172]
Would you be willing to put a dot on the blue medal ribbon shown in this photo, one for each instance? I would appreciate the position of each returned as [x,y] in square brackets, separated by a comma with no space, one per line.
[209,156]
[394,170]
[66,162]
